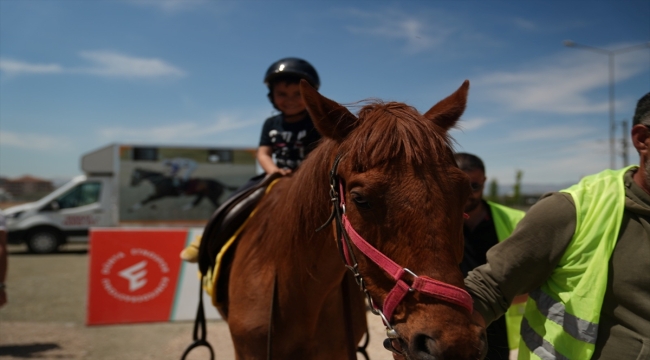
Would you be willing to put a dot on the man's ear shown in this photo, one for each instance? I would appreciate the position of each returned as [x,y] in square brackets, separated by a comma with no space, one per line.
[641,139]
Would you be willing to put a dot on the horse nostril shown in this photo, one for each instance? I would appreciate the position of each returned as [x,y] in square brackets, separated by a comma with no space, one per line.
[425,347]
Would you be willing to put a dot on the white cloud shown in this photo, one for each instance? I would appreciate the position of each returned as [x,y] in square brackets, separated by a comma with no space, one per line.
[418,33]
[525,24]
[15,67]
[472,124]
[577,160]
[112,64]
[559,84]
[33,141]
[566,163]
[552,133]
[170,6]
[105,63]
[183,131]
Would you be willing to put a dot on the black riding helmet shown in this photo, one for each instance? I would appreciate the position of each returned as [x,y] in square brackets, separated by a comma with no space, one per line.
[290,69]
[292,66]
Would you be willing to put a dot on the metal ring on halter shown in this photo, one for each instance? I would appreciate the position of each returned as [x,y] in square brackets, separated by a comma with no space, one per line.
[414,277]
[373,308]
[388,326]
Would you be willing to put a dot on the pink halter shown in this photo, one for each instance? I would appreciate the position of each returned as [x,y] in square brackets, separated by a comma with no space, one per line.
[423,284]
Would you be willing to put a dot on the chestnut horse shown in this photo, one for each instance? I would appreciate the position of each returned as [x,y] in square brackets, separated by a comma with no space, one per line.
[396,197]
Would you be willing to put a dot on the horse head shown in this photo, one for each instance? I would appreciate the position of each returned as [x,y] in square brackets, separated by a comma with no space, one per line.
[399,200]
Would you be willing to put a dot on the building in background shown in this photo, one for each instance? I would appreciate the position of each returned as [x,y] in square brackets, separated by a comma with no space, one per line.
[25,188]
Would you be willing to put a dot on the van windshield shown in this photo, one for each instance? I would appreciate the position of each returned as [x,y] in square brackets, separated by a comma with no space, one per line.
[81,195]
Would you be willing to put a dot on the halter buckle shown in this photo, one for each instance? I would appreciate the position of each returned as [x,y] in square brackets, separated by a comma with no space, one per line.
[415,276]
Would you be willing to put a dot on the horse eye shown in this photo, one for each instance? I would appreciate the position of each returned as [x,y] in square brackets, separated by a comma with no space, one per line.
[360,200]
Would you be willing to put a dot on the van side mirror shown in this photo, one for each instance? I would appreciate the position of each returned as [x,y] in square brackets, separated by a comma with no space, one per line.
[52,206]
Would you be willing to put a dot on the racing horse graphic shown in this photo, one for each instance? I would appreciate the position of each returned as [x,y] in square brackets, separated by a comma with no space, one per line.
[164,186]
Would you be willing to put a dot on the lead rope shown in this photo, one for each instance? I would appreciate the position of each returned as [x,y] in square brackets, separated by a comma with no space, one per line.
[347,313]
[199,323]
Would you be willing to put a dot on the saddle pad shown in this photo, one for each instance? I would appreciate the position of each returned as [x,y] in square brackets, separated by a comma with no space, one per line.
[215,281]
[229,217]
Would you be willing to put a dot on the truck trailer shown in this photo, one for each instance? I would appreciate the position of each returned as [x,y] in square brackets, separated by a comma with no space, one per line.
[129,185]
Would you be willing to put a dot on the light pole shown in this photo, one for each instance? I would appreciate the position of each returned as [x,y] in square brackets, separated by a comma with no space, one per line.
[612,114]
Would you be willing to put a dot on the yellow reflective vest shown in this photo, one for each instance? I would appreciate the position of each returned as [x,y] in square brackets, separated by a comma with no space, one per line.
[561,317]
[505,219]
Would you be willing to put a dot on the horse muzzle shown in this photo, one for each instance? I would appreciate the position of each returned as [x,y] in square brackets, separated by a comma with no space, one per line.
[424,347]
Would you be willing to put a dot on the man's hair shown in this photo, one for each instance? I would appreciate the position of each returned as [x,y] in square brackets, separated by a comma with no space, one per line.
[468,162]
[642,113]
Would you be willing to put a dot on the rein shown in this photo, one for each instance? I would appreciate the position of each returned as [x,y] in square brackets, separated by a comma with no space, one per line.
[405,280]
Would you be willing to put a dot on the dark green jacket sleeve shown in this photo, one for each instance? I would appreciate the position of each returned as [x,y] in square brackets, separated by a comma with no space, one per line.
[526,259]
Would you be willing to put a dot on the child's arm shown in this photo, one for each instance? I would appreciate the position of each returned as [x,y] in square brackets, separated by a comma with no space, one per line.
[264,157]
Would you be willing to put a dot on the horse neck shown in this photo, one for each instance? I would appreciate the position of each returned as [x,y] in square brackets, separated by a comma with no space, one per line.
[300,204]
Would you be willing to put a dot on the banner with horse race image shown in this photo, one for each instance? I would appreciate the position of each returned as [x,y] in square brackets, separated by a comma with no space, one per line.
[178,185]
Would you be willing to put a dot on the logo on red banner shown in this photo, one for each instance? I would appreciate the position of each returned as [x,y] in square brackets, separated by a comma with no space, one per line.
[133,274]
[138,276]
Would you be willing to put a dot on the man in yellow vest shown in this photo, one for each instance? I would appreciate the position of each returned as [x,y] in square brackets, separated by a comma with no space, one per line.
[583,255]
[489,223]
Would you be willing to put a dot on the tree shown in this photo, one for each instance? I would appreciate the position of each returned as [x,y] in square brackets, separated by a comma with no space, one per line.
[493,190]
[516,190]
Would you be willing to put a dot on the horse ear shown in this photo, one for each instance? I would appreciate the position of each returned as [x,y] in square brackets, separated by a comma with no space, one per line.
[331,119]
[447,112]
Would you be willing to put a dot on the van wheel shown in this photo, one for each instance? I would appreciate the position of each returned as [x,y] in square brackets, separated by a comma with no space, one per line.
[43,241]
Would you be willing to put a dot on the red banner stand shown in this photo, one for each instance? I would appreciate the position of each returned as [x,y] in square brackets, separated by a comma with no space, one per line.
[133,274]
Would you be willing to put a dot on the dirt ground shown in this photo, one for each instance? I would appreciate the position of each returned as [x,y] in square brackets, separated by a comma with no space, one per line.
[45,316]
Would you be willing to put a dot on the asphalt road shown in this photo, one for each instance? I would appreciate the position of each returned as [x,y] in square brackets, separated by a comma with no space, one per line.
[45,316]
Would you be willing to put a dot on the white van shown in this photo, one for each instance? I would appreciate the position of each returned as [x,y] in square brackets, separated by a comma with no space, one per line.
[131,185]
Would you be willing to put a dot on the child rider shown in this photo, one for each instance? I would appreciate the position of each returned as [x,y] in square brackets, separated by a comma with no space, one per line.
[290,135]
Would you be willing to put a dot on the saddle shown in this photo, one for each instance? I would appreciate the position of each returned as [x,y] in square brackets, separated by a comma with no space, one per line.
[221,231]
[222,226]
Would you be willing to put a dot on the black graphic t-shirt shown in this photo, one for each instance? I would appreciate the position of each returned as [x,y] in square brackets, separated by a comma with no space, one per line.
[291,142]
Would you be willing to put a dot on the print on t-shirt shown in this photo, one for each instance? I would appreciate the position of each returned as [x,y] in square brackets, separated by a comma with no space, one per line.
[290,142]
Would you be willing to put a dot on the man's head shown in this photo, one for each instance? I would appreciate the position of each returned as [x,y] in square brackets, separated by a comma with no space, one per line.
[473,166]
[641,140]
[283,79]
[642,112]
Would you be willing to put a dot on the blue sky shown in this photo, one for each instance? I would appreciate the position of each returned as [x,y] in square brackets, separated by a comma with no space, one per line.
[77,75]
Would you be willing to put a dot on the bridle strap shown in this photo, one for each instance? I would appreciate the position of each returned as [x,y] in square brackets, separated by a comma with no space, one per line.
[422,284]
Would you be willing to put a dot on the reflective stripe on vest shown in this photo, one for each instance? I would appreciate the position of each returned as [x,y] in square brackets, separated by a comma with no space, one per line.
[561,318]
[505,220]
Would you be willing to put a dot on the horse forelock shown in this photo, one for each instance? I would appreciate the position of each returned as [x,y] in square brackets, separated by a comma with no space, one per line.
[394,132]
